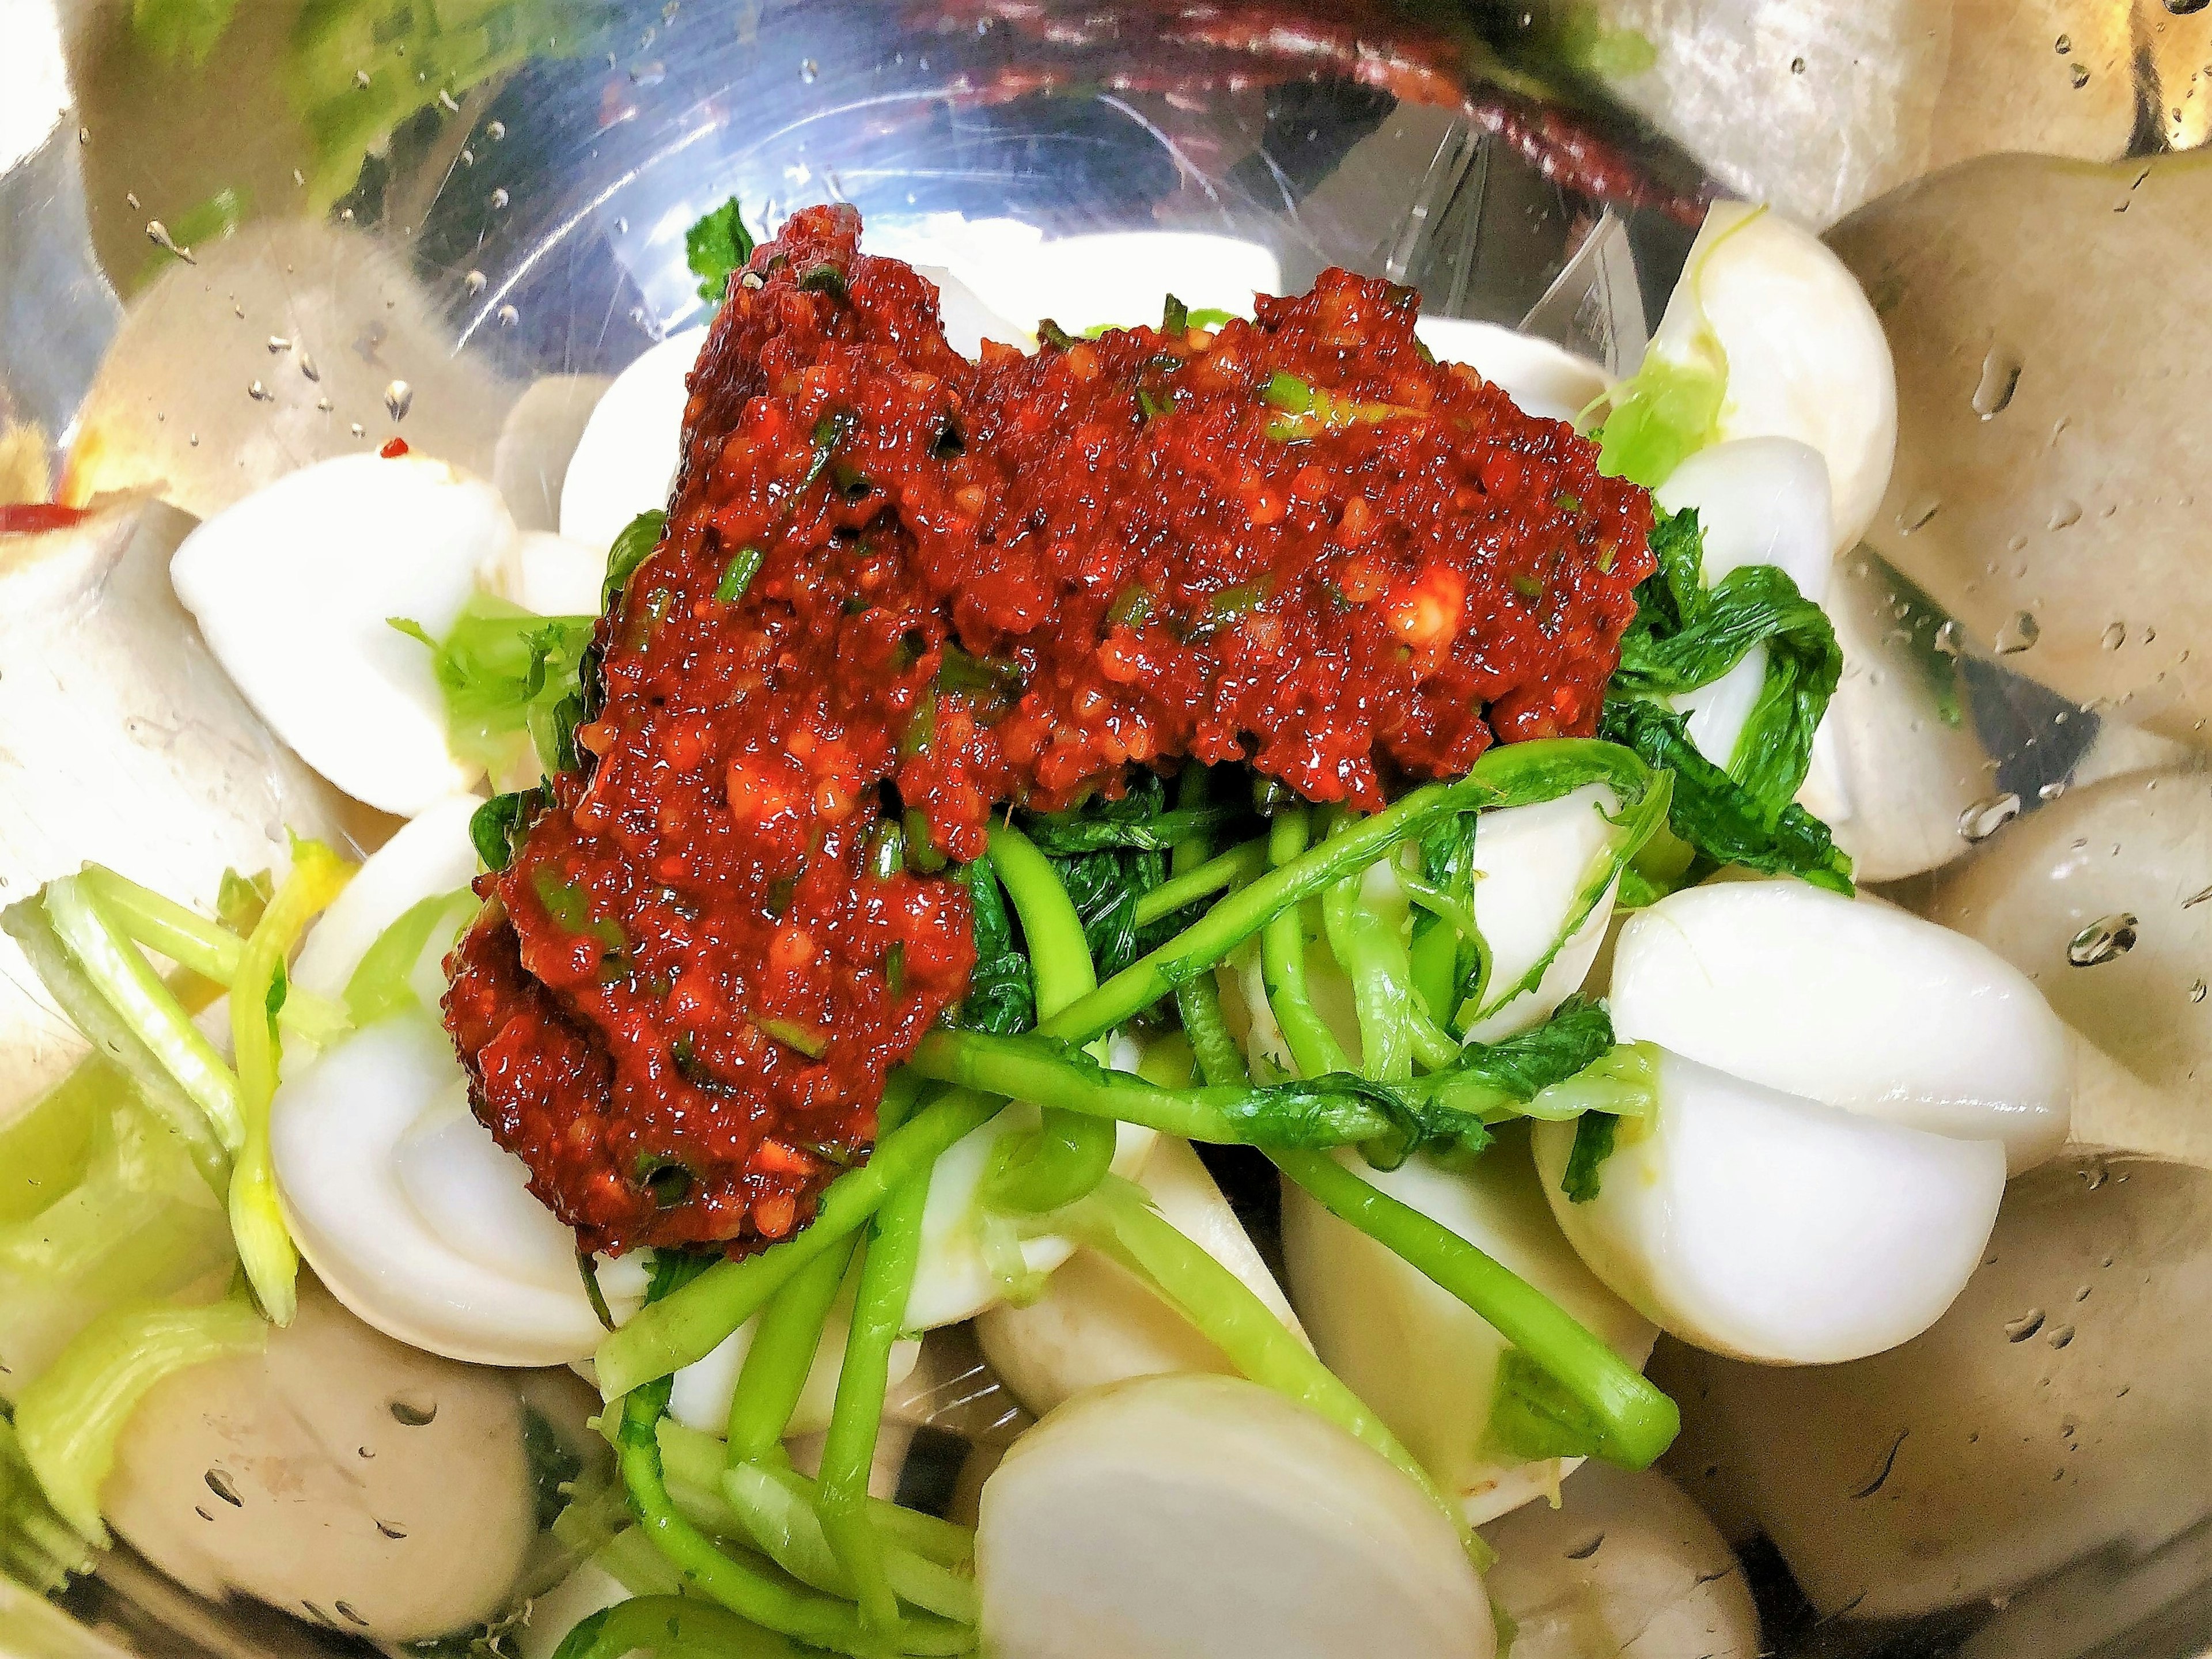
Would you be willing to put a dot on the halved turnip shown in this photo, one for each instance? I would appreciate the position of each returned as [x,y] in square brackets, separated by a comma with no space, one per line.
[294,589]
[1181,1515]
[1542,378]
[1095,1323]
[1772,1227]
[625,463]
[1802,352]
[1426,1363]
[1858,1004]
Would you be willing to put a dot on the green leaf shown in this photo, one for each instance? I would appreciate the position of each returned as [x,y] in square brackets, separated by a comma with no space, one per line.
[714,247]
[502,672]
[1000,998]
[1716,815]
[1533,1417]
[631,549]
[498,826]
[1595,1133]
[1665,412]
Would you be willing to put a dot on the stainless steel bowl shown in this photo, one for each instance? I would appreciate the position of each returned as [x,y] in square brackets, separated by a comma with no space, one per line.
[239,235]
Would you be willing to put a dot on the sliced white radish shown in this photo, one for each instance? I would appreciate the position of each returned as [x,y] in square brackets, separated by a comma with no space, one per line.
[1856,1004]
[700,1397]
[536,439]
[1533,865]
[1759,500]
[1806,356]
[1426,1363]
[411,1215]
[1541,378]
[626,460]
[553,576]
[1095,1323]
[1085,281]
[1172,1516]
[968,321]
[293,588]
[1770,1227]
[430,854]
[1626,1565]
[961,1272]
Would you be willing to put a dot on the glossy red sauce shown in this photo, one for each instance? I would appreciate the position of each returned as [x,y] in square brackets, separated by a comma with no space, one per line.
[970,584]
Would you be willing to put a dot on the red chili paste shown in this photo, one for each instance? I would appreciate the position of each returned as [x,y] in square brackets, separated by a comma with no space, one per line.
[893,580]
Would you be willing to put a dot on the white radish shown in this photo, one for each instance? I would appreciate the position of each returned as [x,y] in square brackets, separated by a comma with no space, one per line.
[1421,1359]
[1771,1227]
[430,854]
[1624,1566]
[1542,378]
[625,462]
[1759,500]
[1533,866]
[1171,1516]
[1095,1323]
[536,441]
[1084,282]
[293,588]
[1856,1004]
[967,320]
[969,1259]
[553,576]
[1804,352]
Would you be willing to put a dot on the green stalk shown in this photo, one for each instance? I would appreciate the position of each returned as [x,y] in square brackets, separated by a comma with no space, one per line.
[1220,1061]
[769,1598]
[688,1323]
[1513,775]
[673,1627]
[206,948]
[1119,1221]
[788,1530]
[265,1249]
[1224,870]
[782,1356]
[1639,1421]
[849,1451]
[1070,1152]
[1313,1046]
[68,1418]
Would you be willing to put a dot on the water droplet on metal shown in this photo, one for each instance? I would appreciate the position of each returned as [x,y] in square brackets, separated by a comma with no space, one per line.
[84,135]
[399,397]
[808,71]
[2000,378]
[307,368]
[2050,791]
[2080,76]
[499,197]
[2196,991]
[259,393]
[468,157]
[2066,513]
[1911,518]
[1988,816]
[475,281]
[361,80]
[158,235]
[508,316]
[2062,44]
[359,430]
[2020,1329]
[2060,1336]
[446,102]
[391,1531]
[496,131]
[193,439]
[410,1414]
[2103,940]
[2114,636]
[2019,635]
[325,404]
[219,1484]
[1950,638]
[1796,66]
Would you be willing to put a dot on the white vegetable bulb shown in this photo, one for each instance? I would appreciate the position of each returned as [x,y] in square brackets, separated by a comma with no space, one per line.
[1544,380]
[625,463]
[1770,1227]
[406,1208]
[1096,1323]
[1759,500]
[292,588]
[957,1277]
[1806,358]
[1421,1359]
[1854,1003]
[1172,1516]
[1533,865]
